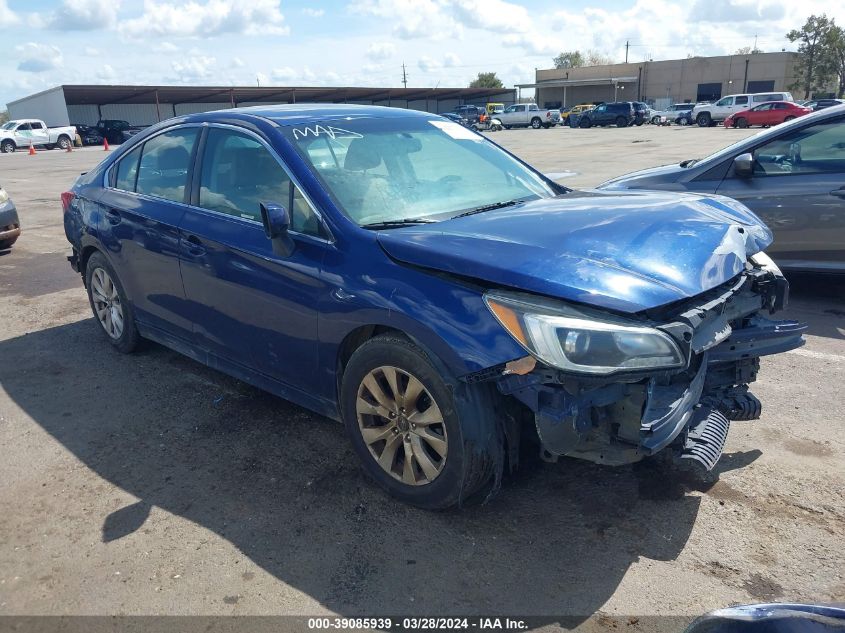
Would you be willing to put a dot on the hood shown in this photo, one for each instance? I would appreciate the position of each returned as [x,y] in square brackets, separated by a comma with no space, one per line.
[656,173]
[627,251]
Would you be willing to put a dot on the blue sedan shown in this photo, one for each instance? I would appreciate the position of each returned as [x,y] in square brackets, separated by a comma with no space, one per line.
[400,273]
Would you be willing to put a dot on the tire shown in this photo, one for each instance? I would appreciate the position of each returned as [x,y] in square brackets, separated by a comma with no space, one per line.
[546,126]
[639,123]
[7,147]
[655,120]
[703,119]
[7,244]
[788,118]
[536,123]
[585,123]
[683,121]
[100,291]
[507,127]
[741,123]
[64,142]
[621,121]
[445,471]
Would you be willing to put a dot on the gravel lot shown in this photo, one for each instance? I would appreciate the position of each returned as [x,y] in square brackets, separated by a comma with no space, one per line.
[148,484]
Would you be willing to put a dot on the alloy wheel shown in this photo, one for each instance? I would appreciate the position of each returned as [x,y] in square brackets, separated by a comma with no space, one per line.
[107,305]
[402,425]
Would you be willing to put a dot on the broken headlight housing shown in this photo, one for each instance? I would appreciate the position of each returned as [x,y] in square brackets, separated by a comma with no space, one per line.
[576,341]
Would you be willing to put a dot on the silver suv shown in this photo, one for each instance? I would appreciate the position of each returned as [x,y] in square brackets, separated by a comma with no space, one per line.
[706,114]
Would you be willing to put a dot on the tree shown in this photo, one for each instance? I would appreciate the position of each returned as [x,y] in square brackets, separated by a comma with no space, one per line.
[814,65]
[747,50]
[486,80]
[569,59]
[595,58]
[4,116]
[835,48]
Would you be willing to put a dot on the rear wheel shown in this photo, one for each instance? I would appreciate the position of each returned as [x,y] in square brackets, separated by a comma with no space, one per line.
[7,147]
[621,121]
[741,123]
[584,123]
[704,119]
[64,142]
[110,305]
[655,120]
[7,244]
[405,426]
[536,123]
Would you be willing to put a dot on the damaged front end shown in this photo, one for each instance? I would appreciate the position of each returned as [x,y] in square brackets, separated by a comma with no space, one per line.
[613,390]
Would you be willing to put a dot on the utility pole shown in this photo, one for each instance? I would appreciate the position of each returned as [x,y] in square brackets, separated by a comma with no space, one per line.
[627,44]
[404,76]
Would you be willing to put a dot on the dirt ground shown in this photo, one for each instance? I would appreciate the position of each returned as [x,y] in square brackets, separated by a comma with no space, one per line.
[148,484]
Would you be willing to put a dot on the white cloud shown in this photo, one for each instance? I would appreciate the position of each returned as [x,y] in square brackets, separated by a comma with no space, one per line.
[411,19]
[427,64]
[286,73]
[90,51]
[379,51]
[84,15]
[7,16]
[193,68]
[209,19]
[237,62]
[106,73]
[37,58]
[735,11]
[451,60]
[492,15]
[165,47]
[313,13]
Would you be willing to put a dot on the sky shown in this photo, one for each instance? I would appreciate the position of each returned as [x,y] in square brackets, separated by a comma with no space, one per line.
[442,43]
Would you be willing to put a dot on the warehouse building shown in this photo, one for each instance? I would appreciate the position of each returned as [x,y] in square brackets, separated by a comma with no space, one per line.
[145,105]
[662,83]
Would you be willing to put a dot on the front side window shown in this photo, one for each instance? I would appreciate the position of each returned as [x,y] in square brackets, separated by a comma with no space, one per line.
[239,173]
[817,149]
[725,102]
[763,108]
[389,170]
[164,165]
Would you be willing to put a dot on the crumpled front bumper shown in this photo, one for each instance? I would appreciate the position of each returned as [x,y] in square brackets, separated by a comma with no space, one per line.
[623,419]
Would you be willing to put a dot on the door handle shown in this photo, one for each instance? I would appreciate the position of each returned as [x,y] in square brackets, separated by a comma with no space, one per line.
[839,193]
[195,246]
[113,216]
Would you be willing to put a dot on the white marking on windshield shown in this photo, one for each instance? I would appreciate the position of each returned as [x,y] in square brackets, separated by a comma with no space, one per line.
[328,130]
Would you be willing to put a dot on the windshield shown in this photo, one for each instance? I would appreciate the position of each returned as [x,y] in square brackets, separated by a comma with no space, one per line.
[8,125]
[395,169]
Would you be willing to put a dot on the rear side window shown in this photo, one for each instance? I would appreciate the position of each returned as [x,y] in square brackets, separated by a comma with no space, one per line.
[127,170]
[741,100]
[164,165]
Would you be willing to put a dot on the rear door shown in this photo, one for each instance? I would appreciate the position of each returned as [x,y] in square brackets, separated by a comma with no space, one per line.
[249,305]
[142,206]
[798,189]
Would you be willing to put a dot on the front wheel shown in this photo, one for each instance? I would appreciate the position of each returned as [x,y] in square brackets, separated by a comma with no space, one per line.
[621,122]
[536,123]
[584,123]
[703,119]
[406,428]
[110,305]
[655,120]
[788,118]
[7,147]
[64,143]
[741,123]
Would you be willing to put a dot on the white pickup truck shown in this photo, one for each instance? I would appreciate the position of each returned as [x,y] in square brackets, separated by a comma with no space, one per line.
[18,134]
[528,114]
[706,114]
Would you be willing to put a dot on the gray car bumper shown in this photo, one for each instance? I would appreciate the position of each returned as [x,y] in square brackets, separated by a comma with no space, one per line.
[10,226]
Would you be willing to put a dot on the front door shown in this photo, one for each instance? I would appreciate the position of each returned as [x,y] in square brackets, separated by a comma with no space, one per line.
[798,189]
[249,305]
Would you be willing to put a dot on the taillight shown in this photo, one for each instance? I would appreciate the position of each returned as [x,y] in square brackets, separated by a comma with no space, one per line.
[67,200]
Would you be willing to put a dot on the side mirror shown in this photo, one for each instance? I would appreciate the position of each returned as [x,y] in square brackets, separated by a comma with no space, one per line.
[276,223]
[744,165]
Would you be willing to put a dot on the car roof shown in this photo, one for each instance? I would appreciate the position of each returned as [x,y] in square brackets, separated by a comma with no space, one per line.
[304,113]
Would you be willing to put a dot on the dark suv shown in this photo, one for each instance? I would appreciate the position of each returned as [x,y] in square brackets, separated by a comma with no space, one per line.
[620,114]
[641,112]
[470,112]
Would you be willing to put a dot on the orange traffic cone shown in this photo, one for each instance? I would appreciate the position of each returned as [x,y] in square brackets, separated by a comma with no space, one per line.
[31,149]
[105,144]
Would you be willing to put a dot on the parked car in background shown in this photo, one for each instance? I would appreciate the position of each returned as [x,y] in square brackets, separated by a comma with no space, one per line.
[820,104]
[88,134]
[620,114]
[10,224]
[678,113]
[117,131]
[792,176]
[766,114]
[471,113]
[21,133]
[706,114]
[576,110]
[457,118]
[528,115]
[642,112]
[483,301]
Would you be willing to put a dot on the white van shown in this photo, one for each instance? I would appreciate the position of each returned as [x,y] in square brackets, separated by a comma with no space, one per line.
[706,114]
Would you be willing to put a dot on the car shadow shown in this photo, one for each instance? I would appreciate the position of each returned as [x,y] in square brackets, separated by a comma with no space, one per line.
[283,486]
[819,301]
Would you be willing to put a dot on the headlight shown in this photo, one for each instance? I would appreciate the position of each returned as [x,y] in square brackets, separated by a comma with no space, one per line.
[761,259]
[575,341]
[3,196]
